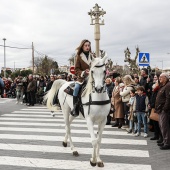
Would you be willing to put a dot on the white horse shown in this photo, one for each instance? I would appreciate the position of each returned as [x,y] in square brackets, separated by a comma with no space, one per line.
[95,102]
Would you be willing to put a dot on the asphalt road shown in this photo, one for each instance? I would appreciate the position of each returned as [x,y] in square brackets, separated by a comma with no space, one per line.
[31,139]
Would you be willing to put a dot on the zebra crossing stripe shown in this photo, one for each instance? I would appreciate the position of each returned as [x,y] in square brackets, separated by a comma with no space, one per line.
[43,124]
[41,107]
[66,164]
[31,109]
[58,149]
[31,115]
[39,120]
[82,139]
[82,131]
[44,112]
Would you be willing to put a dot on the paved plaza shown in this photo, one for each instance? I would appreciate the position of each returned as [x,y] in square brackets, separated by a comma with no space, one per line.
[31,139]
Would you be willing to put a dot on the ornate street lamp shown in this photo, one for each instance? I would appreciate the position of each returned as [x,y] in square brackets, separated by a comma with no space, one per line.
[4,59]
[96,21]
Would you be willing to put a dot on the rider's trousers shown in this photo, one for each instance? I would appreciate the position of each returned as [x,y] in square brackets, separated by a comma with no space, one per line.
[76,89]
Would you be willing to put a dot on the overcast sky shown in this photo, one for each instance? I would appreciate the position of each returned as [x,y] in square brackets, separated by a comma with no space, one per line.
[57,26]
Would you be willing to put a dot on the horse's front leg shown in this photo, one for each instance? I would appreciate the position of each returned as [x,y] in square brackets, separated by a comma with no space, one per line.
[100,131]
[90,125]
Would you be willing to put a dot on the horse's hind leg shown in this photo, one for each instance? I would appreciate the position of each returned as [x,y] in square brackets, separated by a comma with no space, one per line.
[67,128]
[68,120]
[100,131]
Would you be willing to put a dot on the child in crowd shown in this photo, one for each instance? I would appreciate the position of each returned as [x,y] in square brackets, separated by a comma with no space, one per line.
[140,108]
[132,119]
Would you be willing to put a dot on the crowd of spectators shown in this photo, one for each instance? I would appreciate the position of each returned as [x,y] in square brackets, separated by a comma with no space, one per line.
[133,98]
[29,90]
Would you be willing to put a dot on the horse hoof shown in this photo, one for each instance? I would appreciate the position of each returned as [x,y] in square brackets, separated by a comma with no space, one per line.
[100,164]
[64,144]
[92,164]
[75,153]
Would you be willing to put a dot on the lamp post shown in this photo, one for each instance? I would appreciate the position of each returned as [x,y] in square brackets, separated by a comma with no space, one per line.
[4,59]
[162,64]
[95,20]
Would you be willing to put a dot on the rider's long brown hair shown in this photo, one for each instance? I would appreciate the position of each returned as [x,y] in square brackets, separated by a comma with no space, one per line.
[80,47]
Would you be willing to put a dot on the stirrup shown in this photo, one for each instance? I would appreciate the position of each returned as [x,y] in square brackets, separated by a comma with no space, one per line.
[74,113]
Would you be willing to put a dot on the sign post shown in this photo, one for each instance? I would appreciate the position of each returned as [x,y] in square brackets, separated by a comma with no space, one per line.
[72,70]
[144,59]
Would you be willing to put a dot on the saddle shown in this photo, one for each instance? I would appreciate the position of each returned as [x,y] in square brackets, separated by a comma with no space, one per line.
[70,89]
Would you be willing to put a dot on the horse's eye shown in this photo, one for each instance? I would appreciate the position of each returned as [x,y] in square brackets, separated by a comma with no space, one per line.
[92,71]
[104,71]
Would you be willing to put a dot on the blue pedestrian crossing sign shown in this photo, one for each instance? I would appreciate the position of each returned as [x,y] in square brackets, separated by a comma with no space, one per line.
[144,59]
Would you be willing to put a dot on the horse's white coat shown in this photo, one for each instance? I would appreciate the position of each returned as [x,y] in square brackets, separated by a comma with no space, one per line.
[97,113]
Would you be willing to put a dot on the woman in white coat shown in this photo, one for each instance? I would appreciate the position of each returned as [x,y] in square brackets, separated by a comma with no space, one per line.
[125,93]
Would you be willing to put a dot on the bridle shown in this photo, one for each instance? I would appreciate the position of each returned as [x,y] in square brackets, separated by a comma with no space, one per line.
[103,89]
[94,90]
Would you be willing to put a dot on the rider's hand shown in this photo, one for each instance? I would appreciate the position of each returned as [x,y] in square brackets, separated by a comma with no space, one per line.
[87,71]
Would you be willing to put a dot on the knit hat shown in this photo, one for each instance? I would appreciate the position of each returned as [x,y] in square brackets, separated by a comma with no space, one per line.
[166,75]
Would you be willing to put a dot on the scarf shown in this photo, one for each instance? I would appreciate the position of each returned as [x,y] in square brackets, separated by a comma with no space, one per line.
[86,53]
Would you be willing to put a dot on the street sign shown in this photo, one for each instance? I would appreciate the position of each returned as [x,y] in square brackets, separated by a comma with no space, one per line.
[144,59]
[72,69]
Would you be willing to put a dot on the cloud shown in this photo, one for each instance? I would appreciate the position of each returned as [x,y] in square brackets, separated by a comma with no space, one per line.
[57,26]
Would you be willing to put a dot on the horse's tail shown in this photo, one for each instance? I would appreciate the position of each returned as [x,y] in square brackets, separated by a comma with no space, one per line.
[51,95]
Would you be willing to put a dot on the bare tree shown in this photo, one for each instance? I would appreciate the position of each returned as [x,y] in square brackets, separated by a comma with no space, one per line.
[45,64]
[72,59]
[37,63]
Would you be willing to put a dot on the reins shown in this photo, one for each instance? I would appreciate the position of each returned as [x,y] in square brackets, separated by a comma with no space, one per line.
[90,102]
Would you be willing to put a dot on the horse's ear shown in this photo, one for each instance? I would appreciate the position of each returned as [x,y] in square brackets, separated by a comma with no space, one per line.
[105,58]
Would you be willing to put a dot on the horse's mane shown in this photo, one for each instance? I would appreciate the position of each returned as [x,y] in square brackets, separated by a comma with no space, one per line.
[88,88]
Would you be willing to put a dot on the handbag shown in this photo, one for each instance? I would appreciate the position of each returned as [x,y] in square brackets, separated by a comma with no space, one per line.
[153,115]
[112,109]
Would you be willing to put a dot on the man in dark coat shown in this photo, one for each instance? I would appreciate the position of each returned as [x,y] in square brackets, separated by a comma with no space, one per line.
[31,89]
[49,84]
[2,87]
[162,107]
[144,76]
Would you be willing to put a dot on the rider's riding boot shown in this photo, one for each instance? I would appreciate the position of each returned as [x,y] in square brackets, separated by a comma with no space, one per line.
[75,111]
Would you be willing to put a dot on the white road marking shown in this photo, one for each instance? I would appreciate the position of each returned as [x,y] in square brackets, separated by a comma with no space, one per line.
[61,149]
[55,130]
[79,139]
[66,164]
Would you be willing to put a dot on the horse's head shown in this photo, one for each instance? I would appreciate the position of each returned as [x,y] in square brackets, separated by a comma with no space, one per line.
[98,73]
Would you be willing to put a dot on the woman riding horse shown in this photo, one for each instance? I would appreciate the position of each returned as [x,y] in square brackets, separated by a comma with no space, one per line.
[83,60]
